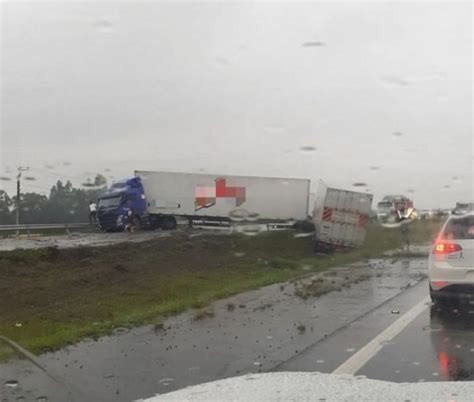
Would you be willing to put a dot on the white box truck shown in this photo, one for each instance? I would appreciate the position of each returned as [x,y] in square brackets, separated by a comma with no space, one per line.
[340,218]
[156,199]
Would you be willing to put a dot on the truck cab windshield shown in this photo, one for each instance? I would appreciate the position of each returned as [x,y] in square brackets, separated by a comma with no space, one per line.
[109,202]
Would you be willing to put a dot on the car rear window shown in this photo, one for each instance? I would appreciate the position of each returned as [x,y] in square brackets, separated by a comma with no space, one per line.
[460,228]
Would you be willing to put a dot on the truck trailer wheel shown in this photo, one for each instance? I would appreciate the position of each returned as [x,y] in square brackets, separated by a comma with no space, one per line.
[169,223]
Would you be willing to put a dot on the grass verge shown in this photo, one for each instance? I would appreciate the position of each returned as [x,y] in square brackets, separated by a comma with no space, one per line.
[50,298]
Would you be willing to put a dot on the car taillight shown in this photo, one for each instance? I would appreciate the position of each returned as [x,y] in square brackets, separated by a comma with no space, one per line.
[446,248]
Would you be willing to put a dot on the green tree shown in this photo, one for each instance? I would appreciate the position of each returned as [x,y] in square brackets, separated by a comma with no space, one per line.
[6,205]
[33,207]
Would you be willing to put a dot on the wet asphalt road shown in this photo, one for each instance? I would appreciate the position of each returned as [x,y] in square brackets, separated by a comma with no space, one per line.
[269,329]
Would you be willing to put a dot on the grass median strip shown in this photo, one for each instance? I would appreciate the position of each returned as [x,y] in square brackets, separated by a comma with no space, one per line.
[50,298]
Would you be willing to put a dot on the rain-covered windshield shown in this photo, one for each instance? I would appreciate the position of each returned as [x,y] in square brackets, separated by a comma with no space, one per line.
[197,191]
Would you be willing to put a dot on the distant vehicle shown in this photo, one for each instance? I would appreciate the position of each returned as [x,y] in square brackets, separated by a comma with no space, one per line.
[451,261]
[394,208]
[425,214]
[463,208]
[157,199]
[442,213]
[340,218]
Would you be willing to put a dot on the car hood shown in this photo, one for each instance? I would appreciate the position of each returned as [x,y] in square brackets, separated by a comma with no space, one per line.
[313,386]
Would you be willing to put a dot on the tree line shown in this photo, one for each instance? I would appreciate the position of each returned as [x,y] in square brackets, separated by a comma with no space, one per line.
[64,204]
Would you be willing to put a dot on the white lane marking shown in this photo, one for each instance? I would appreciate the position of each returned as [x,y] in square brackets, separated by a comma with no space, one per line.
[357,360]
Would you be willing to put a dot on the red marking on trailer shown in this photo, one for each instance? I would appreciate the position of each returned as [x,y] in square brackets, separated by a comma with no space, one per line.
[327,214]
[362,220]
[206,197]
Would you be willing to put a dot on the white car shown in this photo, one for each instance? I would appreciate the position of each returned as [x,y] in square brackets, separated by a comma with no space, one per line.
[451,261]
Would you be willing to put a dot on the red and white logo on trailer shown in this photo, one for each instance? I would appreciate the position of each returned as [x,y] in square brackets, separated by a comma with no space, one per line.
[206,197]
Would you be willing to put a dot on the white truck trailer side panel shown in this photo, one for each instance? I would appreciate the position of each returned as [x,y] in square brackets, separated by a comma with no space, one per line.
[219,195]
[340,216]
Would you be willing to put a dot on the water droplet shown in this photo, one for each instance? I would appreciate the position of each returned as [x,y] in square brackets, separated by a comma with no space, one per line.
[238,215]
[446,186]
[103,25]
[42,399]
[374,167]
[257,363]
[319,361]
[120,330]
[315,43]
[4,178]
[435,374]
[397,134]
[410,190]
[359,184]
[49,166]
[252,216]
[416,363]
[393,80]
[350,350]
[108,375]
[166,380]
[223,62]
[239,254]
[30,178]
[299,235]
[11,384]
[307,148]
[66,163]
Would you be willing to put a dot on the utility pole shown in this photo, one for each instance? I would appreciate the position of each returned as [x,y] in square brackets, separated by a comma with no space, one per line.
[18,191]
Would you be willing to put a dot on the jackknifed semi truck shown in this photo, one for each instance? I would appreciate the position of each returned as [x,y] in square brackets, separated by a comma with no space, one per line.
[159,199]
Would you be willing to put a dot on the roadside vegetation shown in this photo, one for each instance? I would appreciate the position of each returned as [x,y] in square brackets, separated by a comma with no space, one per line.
[50,297]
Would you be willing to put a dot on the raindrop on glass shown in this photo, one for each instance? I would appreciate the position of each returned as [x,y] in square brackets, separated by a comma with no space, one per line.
[314,43]
[103,25]
[307,148]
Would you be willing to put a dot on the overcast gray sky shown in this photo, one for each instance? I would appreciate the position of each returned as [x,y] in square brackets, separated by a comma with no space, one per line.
[383,92]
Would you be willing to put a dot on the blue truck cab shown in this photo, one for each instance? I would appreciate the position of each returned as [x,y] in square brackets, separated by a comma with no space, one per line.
[115,204]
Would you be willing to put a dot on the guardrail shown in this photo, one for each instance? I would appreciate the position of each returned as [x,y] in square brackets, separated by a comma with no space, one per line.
[66,226]
[42,226]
